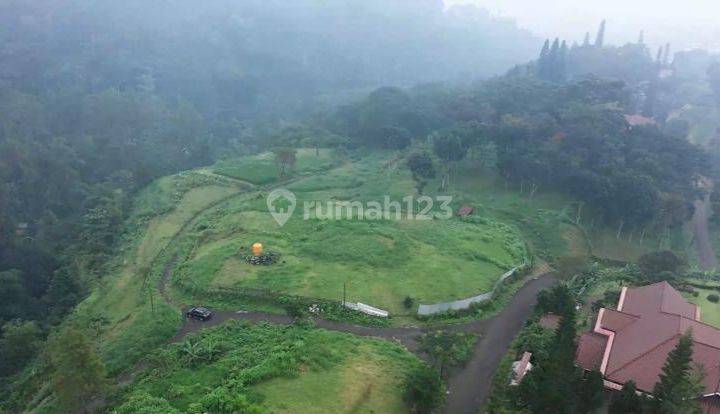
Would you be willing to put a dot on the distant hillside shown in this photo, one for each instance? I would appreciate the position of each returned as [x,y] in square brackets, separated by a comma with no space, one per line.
[235,58]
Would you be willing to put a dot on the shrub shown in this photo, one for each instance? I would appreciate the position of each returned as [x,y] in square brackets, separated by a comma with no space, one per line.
[408,302]
[422,390]
[713,298]
[144,403]
[294,309]
[447,349]
[655,265]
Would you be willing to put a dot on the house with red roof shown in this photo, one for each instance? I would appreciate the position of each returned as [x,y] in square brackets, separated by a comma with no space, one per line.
[632,342]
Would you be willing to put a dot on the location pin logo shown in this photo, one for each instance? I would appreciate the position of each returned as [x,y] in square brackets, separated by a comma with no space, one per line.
[281,204]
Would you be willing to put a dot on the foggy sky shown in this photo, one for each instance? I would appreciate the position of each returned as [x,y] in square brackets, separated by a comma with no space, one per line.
[684,23]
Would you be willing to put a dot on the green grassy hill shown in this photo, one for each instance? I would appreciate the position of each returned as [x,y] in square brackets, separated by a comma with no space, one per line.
[381,262]
[190,232]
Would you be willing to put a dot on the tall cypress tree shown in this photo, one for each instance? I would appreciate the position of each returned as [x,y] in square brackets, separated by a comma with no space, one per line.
[543,62]
[551,387]
[600,39]
[677,390]
[626,401]
[591,393]
[562,62]
[553,60]
[666,55]
[545,49]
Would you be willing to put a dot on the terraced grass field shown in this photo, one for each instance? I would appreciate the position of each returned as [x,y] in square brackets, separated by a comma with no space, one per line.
[378,262]
[127,322]
[198,226]
[262,169]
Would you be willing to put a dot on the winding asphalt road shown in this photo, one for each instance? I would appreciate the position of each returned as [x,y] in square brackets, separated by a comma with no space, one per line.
[469,387]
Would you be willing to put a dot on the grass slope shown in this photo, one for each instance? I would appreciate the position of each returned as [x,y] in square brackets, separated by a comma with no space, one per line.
[120,308]
[290,369]
[381,262]
[262,169]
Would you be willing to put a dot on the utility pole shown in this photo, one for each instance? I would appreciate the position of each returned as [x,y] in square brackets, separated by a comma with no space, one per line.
[152,302]
[344,292]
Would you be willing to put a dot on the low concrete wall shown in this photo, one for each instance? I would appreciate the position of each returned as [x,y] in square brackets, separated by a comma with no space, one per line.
[367,309]
[435,308]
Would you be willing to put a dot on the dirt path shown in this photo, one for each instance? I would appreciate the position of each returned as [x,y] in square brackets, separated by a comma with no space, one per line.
[408,337]
[468,387]
[705,251]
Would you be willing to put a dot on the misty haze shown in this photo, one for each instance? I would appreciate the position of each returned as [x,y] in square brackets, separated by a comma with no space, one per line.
[356,207]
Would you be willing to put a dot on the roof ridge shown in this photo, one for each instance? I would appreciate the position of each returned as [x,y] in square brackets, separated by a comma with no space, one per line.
[693,320]
[643,354]
[680,317]
[664,284]
[625,313]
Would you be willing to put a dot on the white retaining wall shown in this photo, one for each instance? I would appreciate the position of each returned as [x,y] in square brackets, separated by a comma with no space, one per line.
[367,309]
[465,303]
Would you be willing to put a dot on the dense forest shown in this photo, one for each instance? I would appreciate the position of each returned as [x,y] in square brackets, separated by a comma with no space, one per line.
[573,137]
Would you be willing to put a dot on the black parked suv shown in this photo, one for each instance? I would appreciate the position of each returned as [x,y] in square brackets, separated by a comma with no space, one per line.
[202,314]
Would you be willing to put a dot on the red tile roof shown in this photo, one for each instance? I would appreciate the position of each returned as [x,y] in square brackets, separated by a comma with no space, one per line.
[710,405]
[639,335]
[591,347]
[635,120]
[466,210]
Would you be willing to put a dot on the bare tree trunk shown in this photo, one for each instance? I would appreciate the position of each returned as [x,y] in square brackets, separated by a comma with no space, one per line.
[579,213]
[522,185]
[620,227]
[152,301]
[642,236]
[534,189]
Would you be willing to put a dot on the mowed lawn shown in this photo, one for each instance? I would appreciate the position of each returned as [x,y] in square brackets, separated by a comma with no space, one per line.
[262,168]
[709,311]
[379,262]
